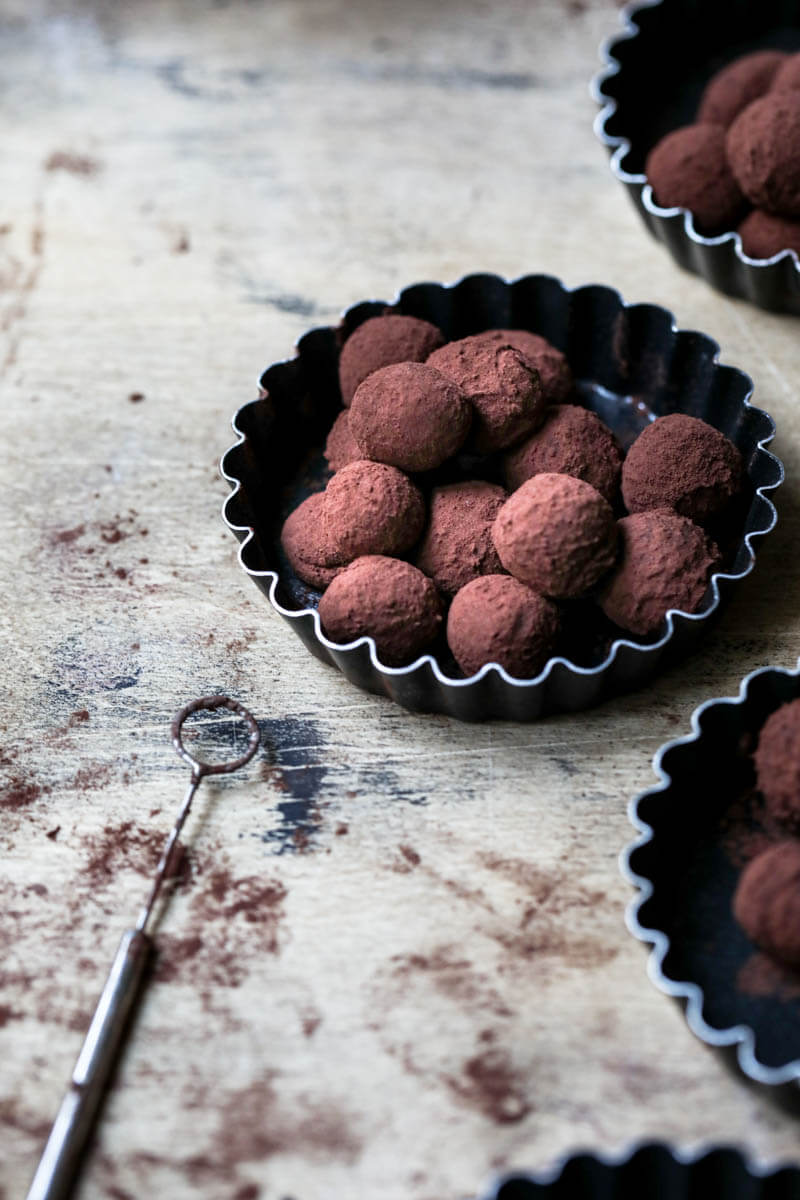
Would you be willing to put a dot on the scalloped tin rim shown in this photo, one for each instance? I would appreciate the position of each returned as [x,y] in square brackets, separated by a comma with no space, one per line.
[427,660]
[688,1158]
[609,107]
[741,1036]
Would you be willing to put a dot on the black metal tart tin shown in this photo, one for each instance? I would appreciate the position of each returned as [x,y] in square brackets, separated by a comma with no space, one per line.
[654,75]
[685,866]
[653,1172]
[631,364]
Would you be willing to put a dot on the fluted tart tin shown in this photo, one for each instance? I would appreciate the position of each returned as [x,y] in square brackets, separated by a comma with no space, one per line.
[653,75]
[630,362]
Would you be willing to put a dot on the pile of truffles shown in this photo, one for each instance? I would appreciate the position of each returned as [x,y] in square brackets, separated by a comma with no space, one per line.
[405,552]
[767,899]
[738,166]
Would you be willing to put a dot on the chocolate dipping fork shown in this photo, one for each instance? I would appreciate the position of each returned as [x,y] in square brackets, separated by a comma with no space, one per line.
[58,1167]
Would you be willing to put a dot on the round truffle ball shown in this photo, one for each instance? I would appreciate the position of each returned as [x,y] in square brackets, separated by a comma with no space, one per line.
[787,76]
[379,342]
[497,619]
[457,546]
[371,508]
[555,375]
[665,562]
[737,85]
[503,388]
[763,234]
[556,534]
[386,599]
[340,447]
[307,546]
[777,760]
[410,416]
[572,441]
[688,169]
[763,146]
[766,902]
[683,463]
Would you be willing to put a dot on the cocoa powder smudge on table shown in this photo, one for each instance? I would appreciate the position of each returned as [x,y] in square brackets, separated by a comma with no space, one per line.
[20,791]
[72,163]
[490,1083]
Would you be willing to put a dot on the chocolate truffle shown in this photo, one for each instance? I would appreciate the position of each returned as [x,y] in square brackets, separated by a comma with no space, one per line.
[386,599]
[665,562]
[766,902]
[763,146]
[410,416]
[501,385]
[787,77]
[777,760]
[340,448]
[737,85]
[381,341]
[572,441]
[555,375]
[688,169]
[683,463]
[371,508]
[556,534]
[763,234]
[307,546]
[497,619]
[457,546]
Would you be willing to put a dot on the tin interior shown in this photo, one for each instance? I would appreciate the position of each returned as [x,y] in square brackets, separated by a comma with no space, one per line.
[652,1172]
[703,831]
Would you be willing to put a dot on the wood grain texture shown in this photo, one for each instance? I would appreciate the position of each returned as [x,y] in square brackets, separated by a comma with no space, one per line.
[396,958]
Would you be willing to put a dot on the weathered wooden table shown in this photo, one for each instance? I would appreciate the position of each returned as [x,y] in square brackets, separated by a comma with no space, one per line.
[397,961]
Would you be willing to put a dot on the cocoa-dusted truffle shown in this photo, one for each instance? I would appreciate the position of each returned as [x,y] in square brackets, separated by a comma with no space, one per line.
[387,599]
[340,448]
[572,441]
[457,546]
[501,385]
[763,146]
[380,341]
[737,85]
[307,546]
[665,562]
[557,534]
[497,619]
[688,169]
[555,375]
[777,760]
[787,77]
[683,463]
[763,234]
[410,416]
[766,902]
[371,508]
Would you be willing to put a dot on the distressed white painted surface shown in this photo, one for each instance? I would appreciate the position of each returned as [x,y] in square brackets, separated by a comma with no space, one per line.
[438,982]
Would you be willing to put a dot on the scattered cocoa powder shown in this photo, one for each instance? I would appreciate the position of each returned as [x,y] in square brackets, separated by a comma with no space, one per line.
[74,164]
[64,537]
[490,1083]
[19,791]
[7,1013]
